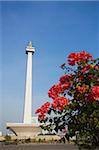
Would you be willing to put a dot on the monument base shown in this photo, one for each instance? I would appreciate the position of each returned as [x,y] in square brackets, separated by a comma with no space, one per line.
[24,130]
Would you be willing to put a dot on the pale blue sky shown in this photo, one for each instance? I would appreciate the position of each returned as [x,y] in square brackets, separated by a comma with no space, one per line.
[56,29]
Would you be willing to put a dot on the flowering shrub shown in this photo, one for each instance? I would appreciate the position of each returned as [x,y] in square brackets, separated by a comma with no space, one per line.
[75,100]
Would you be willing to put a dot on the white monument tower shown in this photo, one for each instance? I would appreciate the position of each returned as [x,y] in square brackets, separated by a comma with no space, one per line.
[27,128]
[28,91]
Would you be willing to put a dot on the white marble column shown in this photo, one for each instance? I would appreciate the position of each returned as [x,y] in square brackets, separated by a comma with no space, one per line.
[28,91]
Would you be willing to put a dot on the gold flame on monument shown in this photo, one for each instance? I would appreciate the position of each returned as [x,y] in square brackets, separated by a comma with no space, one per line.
[30,44]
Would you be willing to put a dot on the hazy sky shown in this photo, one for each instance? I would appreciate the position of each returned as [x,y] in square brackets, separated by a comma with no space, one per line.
[56,29]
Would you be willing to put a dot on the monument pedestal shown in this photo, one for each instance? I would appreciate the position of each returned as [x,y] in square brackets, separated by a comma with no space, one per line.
[24,130]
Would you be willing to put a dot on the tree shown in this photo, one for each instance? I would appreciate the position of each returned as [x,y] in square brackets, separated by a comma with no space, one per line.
[75,100]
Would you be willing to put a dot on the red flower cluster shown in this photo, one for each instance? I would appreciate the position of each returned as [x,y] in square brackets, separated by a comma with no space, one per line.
[82,89]
[54,91]
[58,89]
[59,103]
[66,86]
[72,58]
[43,110]
[96,67]
[95,92]
[75,58]
[67,81]
[64,78]
[86,68]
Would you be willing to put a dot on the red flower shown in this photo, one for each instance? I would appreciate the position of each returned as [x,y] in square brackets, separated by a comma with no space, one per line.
[52,94]
[79,57]
[82,56]
[64,78]
[86,68]
[66,86]
[82,89]
[90,97]
[44,108]
[38,110]
[72,58]
[55,90]
[59,103]
[96,67]
[95,92]
[41,117]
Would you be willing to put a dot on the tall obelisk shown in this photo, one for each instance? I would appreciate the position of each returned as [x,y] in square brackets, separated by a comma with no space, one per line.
[28,91]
